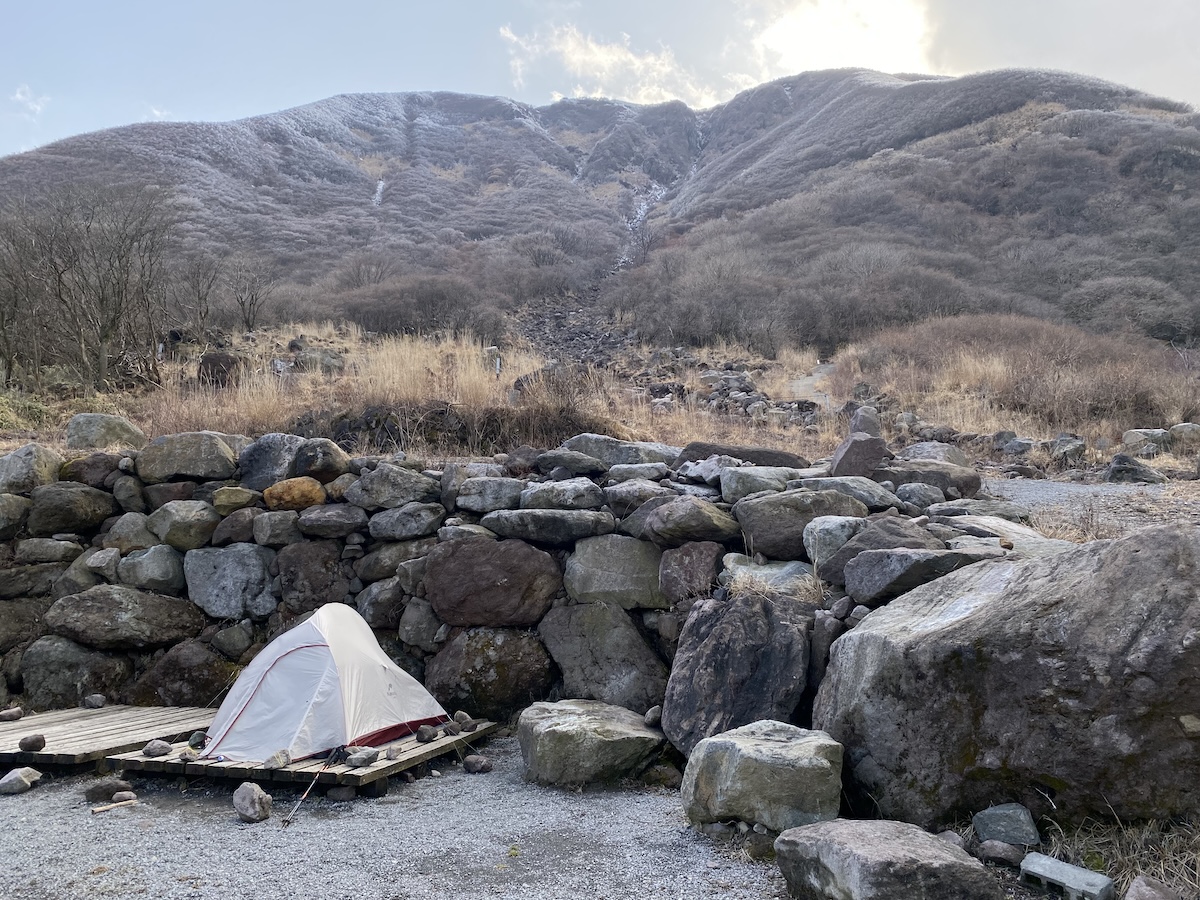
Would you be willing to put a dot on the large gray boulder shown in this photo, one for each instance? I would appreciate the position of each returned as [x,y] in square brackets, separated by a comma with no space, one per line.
[184,524]
[572,493]
[687,573]
[626,496]
[14,510]
[741,481]
[950,479]
[311,574]
[553,527]
[738,661]
[382,562]
[67,506]
[774,524]
[1025,541]
[876,575]
[576,742]
[603,656]
[498,584]
[878,860]
[87,431]
[858,455]
[335,520]
[826,535]
[29,581]
[613,568]
[231,582]
[614,452]
[268,460]
[381,604]
[487,494]
[189,674]
[116,617]
[129,533]
[454,474]
[158,569]
[890,533]
[492,672]
[198,455]
[767,773]
[937,450]
[687,519]
[28,467]
[1066,677]
[758,456]
[57,672]
[1127,469]
[389,486]
[412,520]
[869,493]
[320,458]
[22,620]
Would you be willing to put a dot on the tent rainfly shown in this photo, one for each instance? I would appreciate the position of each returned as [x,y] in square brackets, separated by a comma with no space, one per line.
[324,684]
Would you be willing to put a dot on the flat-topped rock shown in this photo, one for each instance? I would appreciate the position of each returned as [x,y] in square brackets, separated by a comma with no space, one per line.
[575,742]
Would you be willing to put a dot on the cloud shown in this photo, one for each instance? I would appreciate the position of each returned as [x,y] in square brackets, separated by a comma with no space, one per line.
[31,103]
[727,46]
[156,115]
[600,68]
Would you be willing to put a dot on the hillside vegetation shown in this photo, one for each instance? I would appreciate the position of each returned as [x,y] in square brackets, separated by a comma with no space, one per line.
[813,210]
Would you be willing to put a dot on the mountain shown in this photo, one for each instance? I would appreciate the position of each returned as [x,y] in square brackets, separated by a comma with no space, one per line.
[812,208]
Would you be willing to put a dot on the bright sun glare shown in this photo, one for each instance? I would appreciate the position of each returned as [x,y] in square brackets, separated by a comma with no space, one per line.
[888,35]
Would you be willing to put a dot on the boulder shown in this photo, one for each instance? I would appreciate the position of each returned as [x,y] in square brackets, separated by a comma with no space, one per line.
[381,604]
[184,524]
[739,482]
[874,576]
[115,617]
[640,472]
[487,494]
[382,562]
[878,860]
[412,520]
[19,780]
[922,496]
[92,470]
[1126,469]
[1146,888]
[157,495]
[221,368]
[320,459]
[865,420]
[268,460]
[311,574]
[603,656]
[1009,823]
[613,568]
[81,575]
[738,661]
[577,742]
[454,474]
[251,802]
[774,524]
[86,431]
[824,536]
[199,455]
[129,533]
[45,550]
[14,510]
[767,773]
[889,533]
[687,573]
[231,498]
[419,625]
[275,529]
[234,640]
[189,674]
[231,582]
[158,569]
[554,527]
[1025,541]
[28,467]
[57,672]
[950,479]
[389,486]
[1064,677]
[572,493]
[491,671]
[758,456]
[29,581]
[859,454]
[1000,509]
[936,450]
[67,506]
[626,496]
[571,461]
[336,520]
[613,452]
[492,583]
[294,493]
[741,574]
[687,519]
[21,621]
[867,492]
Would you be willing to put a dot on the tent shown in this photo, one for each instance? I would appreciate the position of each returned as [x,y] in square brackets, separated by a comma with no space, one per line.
[324,684]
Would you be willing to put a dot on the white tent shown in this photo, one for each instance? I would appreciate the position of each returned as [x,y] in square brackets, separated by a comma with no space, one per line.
[324,684]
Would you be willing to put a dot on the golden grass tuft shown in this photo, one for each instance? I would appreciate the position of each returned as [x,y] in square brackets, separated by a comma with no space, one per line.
[1168,851]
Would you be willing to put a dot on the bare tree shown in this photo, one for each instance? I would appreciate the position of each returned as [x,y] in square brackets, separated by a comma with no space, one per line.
[366,269]
[194,288]
[250,283]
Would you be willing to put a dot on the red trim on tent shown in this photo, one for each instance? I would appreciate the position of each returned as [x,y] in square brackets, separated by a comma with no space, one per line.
[383,735]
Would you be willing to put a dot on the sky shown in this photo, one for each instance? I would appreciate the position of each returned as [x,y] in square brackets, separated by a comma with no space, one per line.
[72,66]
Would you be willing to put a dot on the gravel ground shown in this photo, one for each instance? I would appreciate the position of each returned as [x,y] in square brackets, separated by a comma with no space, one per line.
[472,836]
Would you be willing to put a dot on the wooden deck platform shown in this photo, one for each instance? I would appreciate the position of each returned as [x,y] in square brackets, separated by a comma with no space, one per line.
[408,753]
[79,736]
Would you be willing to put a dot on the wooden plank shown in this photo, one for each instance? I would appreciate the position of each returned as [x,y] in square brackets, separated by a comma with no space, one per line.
[78,736]
[127,733]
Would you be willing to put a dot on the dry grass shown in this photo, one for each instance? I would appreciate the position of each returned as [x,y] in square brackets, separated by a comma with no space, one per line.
[808,589]
[1168,851]
[1080,525]
[990,373]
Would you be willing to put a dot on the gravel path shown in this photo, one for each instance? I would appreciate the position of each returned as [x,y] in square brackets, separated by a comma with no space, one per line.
[467,835]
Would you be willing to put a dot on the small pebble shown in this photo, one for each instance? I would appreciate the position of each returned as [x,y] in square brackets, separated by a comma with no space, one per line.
[122,796]
[460,717]
[475,764]
[32,743]
[426,733]
[156,748]
[94,701]
[11,715]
